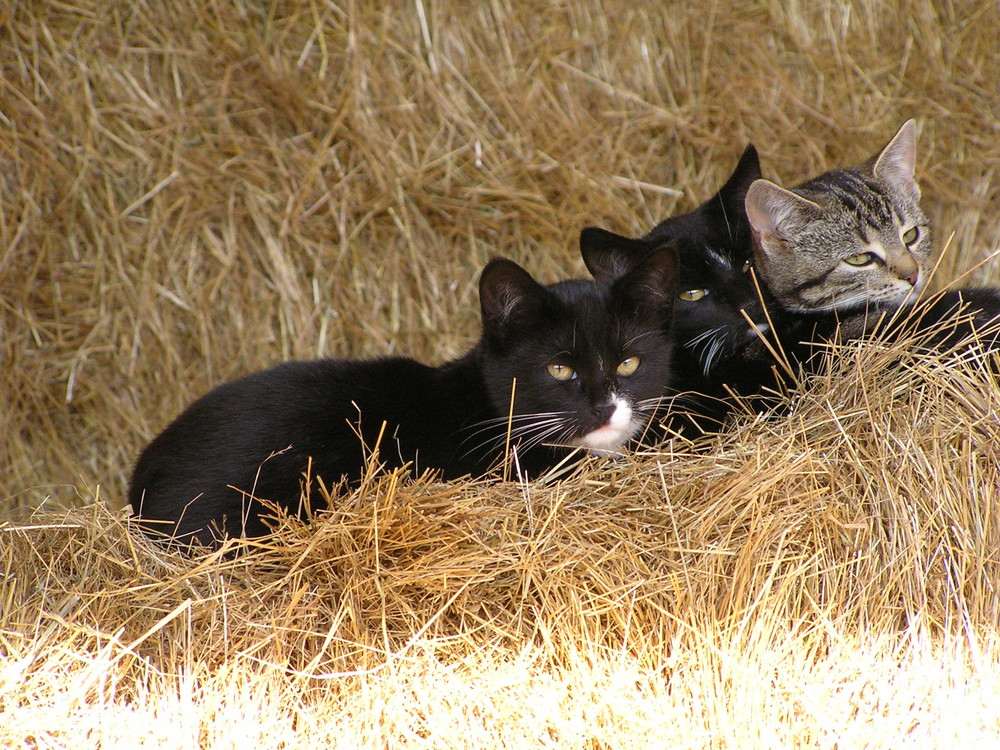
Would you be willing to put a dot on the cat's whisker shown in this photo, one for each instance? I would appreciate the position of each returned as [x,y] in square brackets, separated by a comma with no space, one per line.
[532,436]
[544,439]
[517,418]
[690,344]
[497,439]
[488,424]
[529,424]
[853,303]
[708,344]
[501,425]
[639,337]
[714,348]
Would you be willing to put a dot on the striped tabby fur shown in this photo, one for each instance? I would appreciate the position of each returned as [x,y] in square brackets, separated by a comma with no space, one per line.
[845,250]
[849,238]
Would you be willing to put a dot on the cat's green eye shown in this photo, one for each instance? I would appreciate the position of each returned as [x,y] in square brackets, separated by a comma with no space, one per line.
[861,259]
[561,372]
[693,295]
[910,236]
[746,266]
[628,366]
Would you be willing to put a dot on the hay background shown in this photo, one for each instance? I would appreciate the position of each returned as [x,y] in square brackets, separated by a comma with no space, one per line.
[193,190]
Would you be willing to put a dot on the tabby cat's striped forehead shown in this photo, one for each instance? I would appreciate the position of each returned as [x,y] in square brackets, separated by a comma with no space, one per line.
[855,192]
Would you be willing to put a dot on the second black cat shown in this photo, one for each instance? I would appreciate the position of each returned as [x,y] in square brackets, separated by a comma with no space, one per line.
[719,309]
[584,363]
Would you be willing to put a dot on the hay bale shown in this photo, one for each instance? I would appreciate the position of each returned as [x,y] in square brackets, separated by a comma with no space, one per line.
[190,191]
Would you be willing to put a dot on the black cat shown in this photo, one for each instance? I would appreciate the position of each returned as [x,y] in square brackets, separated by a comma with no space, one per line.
[958,319]
[585,362]
[719,308]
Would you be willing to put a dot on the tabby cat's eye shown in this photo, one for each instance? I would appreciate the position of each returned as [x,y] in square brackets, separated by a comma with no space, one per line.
[746,266]
[628,366]
[910,236]
[561,372]
[693,295]
[861,259]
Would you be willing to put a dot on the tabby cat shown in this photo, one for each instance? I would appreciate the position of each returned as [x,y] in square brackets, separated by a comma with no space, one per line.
[584,362]
[719,309]
[850,248]
[850,238]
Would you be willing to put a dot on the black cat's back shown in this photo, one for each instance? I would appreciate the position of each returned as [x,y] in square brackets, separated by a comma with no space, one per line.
[956,319]
[256,437]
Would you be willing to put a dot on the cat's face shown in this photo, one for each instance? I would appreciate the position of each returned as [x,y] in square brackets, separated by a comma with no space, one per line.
[716,293]
[586,363]
[847,238]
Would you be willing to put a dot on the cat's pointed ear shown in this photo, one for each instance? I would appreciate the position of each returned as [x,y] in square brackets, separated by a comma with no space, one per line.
[609,256]
[507,295]
[775,212]
[896,163]
[650,285]
[726,208]
[746,172]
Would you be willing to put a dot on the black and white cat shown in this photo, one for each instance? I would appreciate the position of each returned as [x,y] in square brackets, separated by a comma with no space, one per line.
[584,362]
[719,310]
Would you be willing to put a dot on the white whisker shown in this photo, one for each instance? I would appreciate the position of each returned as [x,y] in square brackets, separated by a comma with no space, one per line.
[703,335]
[525,429]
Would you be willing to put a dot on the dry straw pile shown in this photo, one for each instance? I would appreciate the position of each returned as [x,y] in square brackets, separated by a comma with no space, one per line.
[192,190]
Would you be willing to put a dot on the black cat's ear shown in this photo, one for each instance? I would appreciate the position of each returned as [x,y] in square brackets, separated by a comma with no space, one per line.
[508,295]
[747,170]
[776,213]
[896,163]
[651,285]
[729,201]
[609,256]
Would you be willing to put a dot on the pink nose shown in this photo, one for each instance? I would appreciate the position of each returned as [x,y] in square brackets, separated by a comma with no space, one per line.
[912,278]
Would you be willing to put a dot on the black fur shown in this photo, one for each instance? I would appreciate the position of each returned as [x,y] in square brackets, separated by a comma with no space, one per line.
[715,250]
[958,317]
[952,321]
[271,434]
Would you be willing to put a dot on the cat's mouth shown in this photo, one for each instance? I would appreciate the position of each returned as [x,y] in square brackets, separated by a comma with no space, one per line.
[613,434]
[910,295]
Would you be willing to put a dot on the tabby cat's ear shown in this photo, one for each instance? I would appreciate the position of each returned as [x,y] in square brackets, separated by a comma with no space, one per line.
[508,295]
[609,256]
[651,285]
[776,213]
[896,163]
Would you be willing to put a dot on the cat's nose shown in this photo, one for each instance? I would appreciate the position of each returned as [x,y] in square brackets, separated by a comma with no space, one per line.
[906,268]
[603,412]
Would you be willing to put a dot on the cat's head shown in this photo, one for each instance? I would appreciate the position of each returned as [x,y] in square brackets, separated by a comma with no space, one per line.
[847,238]
[586,363]
[714,286]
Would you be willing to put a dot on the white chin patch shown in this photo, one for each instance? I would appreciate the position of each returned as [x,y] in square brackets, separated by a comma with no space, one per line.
[615,433]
